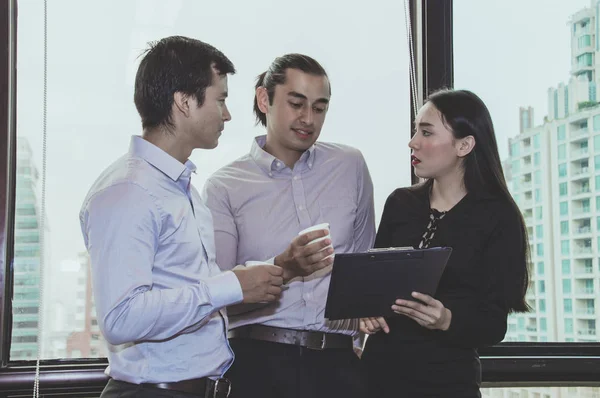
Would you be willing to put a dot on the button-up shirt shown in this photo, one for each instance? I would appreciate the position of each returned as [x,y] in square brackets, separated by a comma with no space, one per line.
[159,294]
[259,205]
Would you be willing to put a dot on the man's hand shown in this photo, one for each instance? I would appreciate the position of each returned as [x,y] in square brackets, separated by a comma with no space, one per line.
[260,283]
[373,325]
[303,258]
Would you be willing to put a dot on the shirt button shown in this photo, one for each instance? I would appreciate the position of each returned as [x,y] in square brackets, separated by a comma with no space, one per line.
[300,207]
[296,177]
[277,164]
[270,174]
[310,165]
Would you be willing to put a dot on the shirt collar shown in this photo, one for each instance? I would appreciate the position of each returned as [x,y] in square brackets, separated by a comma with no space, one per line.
[158,158]
[269,163]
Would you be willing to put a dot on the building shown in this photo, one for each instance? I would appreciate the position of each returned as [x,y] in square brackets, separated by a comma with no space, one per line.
[554,176]
[87,343]
[27,258]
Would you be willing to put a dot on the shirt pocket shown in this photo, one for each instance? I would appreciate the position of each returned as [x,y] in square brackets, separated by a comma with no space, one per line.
[340,213]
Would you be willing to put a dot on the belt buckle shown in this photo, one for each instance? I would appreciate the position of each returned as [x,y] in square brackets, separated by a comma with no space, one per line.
[222,385]
[320,345]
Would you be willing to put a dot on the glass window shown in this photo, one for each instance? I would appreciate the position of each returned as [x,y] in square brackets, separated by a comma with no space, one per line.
[562,170]
[536,159]
[537,195]
[568,306]
[539,231]
[541,287]
[516,166]
[566,285]
[562,187]
[564,247]
[564,227]
[543,325]
[562,152]
[542,305]
[538,213]
[540,268]
[597,162]
[540,249]
[566,267]
[568,325]
[597,143]
[561,132]
[82,141]
[564,208]
[514,148]
[536,142]
[537,177]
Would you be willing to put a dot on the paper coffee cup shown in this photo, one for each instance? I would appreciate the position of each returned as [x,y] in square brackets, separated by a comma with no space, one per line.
[318,227]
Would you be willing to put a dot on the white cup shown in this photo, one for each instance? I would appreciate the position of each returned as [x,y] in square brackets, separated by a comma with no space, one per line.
[318,227]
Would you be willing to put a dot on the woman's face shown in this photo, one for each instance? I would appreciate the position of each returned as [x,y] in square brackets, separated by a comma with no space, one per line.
[435,151]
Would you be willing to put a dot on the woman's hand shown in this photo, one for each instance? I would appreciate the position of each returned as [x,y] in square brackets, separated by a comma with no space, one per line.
[373,325]
[431,314]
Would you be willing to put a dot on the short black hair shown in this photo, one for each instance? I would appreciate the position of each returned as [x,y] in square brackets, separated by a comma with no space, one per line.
[276,75]
[175,64]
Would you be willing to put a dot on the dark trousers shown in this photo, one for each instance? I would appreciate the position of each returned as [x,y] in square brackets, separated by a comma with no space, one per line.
[271,370]
[119,389]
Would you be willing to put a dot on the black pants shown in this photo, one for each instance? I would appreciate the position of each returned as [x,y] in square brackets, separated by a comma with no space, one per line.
[271,370]
[119,389]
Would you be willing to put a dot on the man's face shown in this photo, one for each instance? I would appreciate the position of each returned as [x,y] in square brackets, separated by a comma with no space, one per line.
[297,114]
[205,124]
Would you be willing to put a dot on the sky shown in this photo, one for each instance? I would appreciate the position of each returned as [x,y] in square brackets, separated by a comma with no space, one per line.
[508,52]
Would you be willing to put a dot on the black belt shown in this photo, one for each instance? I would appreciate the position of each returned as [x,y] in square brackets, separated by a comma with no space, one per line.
[204,387]
[303,338]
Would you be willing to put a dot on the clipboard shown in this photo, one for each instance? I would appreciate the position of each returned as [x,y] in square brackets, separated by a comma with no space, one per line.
[367,284]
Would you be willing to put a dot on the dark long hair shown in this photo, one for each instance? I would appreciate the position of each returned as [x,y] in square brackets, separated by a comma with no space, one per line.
[276,75]
[466,115]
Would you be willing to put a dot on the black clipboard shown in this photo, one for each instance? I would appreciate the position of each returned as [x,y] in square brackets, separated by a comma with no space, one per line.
[367,284]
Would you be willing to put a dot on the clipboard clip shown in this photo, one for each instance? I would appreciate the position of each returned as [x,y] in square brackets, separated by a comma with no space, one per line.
[390,249]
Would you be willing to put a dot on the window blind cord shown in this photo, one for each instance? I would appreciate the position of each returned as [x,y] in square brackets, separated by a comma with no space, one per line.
[412,59]
[42,221]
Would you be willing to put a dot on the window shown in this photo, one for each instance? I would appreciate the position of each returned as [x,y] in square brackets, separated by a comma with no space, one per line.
[568,325]
[564,208]
[84,144]
[538,213]
[566,286]
[564,227]
[540,249]
[597,143]
[596,123]
[568,306]
[539,231]
[562,187]
[537,195]
[564,247]
[562,170]
[536,143]
[537,177]
[562,152]
[561,132]
[566,267]
[541,287]
[540,268]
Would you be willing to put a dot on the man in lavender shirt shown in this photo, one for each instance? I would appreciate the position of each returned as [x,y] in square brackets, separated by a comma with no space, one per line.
[260,203]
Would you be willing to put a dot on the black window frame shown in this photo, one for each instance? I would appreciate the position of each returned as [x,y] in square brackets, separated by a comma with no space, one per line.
[507,364]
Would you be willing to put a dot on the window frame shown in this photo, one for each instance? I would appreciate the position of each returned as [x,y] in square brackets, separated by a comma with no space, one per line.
[507,364]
